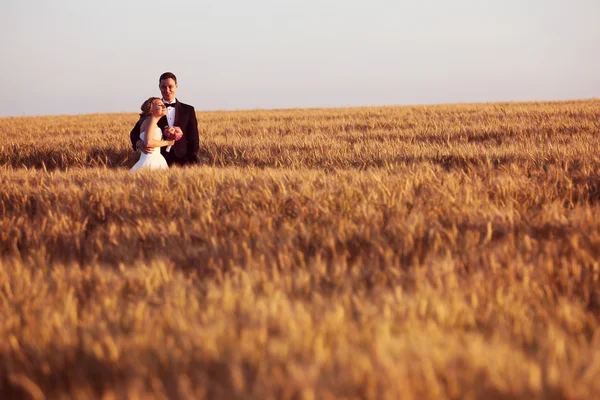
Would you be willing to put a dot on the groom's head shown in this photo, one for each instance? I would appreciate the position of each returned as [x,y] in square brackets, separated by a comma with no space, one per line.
[167,83]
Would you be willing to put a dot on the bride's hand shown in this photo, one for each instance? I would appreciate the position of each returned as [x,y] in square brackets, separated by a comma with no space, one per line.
[171,142]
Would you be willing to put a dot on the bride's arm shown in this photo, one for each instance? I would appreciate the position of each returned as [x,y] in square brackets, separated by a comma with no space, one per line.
[148,141]
[160,143]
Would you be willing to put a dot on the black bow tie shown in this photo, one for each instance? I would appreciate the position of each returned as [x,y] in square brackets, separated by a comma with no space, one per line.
[170,104]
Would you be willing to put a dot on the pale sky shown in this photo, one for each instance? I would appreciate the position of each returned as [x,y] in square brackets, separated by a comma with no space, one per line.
[79,57]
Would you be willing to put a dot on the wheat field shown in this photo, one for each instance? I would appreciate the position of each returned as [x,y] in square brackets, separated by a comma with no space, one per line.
[425,252]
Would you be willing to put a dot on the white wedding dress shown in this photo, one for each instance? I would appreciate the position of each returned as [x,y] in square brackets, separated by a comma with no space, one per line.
[154,160]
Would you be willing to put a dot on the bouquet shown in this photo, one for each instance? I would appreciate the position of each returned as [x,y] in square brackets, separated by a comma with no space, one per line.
[172,133]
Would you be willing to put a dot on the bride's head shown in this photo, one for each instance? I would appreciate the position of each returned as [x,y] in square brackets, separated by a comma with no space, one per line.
[153,106]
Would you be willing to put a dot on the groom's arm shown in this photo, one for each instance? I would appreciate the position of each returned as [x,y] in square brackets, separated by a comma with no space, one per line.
[193,138]
[134,135]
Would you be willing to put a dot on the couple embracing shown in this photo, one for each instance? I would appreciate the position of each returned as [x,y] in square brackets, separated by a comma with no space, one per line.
[167,131]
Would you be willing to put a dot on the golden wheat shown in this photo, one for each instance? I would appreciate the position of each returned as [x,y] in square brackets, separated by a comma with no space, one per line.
[396,252]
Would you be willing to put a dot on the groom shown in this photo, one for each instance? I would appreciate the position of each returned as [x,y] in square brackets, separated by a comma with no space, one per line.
[185,150]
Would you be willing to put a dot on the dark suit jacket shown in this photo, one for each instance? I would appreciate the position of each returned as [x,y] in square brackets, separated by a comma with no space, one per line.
[185,150]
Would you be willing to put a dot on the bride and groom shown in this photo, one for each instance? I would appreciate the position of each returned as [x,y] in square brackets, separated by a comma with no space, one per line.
[157,116]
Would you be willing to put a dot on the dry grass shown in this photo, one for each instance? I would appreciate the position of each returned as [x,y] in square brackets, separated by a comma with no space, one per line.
[403,253]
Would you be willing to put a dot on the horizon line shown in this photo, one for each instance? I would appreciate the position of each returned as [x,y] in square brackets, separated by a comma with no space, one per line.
[233,110]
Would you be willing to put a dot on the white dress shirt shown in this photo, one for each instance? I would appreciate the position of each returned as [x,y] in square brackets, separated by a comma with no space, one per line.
[170,113]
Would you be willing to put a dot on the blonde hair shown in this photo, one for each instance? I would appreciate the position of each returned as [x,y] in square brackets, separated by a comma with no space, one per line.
[147,107]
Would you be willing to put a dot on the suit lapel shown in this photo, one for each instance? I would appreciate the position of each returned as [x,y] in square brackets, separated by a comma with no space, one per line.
[162,122]
[177,113]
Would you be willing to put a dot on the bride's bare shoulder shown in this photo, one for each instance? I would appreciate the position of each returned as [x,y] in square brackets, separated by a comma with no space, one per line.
[144,124]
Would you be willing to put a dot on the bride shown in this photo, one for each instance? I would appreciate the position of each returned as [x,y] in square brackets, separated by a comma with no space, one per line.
[152,110]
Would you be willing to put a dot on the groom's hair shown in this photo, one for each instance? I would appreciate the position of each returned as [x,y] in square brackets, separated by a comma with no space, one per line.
[167,75]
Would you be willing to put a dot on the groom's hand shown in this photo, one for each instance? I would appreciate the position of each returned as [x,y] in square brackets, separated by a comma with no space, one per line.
[141,146]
